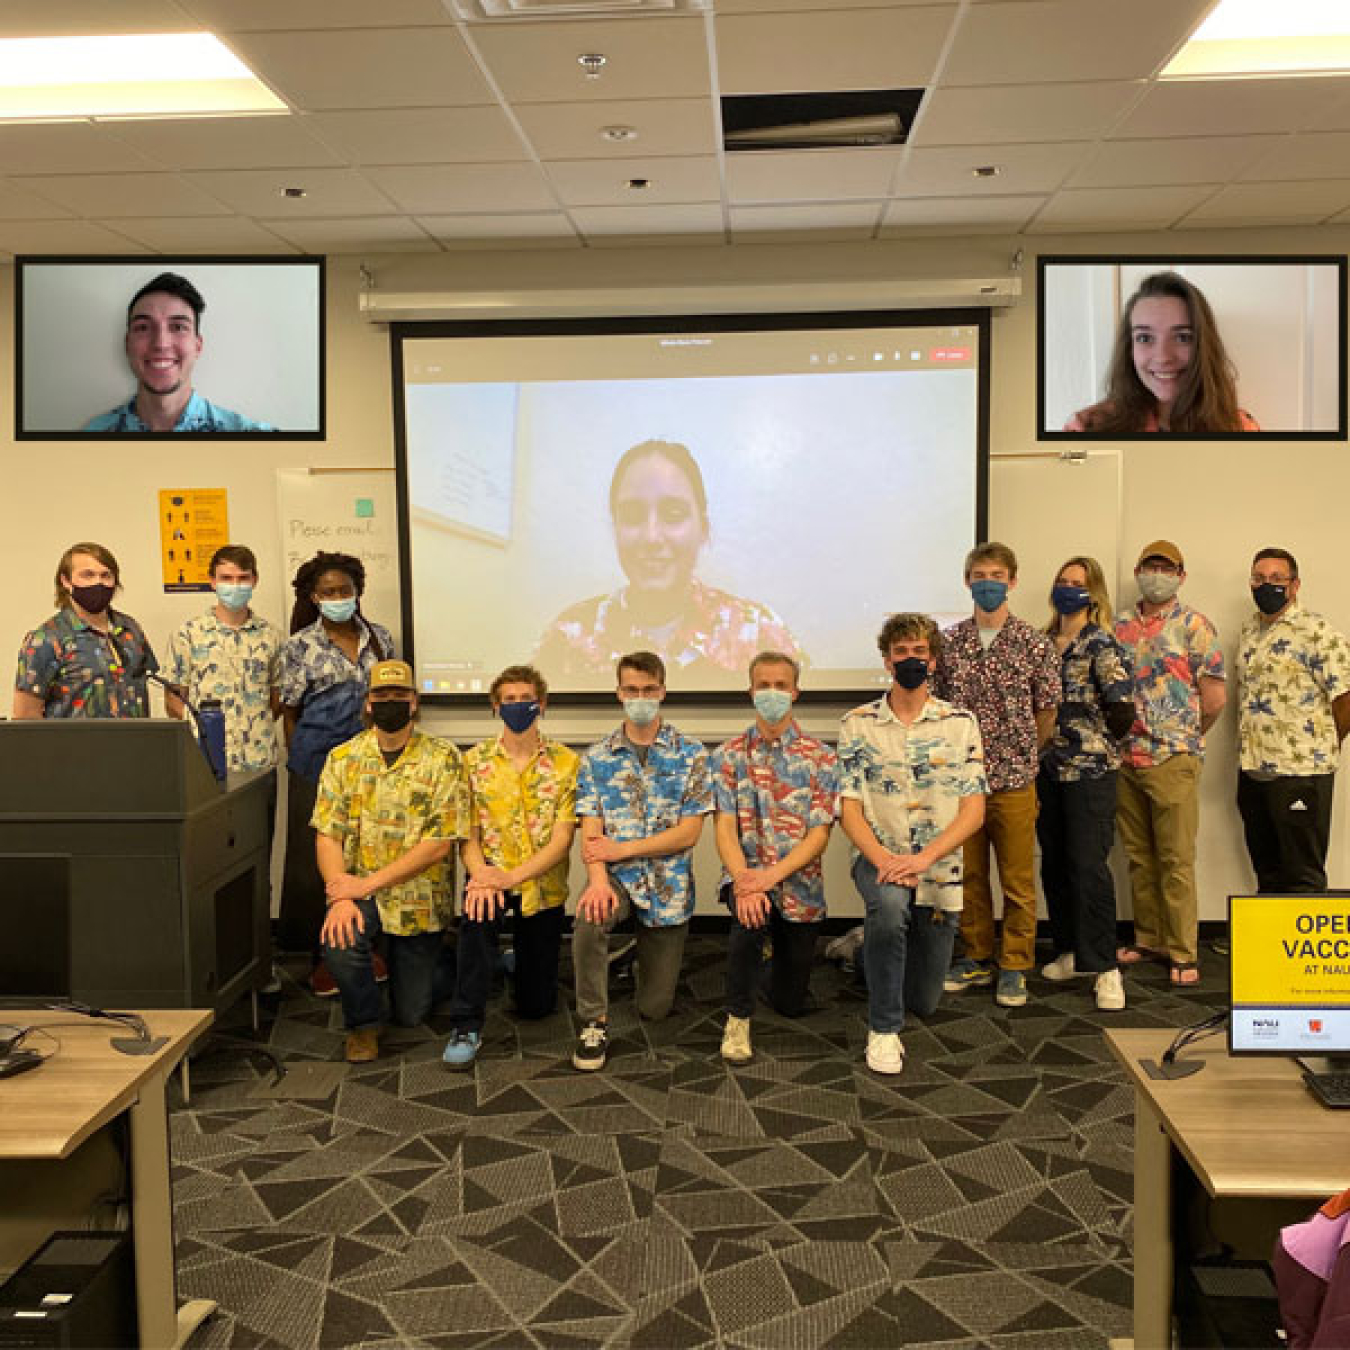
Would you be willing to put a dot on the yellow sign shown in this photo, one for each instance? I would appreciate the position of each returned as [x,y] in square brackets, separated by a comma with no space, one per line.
[1290,950]
[193,524]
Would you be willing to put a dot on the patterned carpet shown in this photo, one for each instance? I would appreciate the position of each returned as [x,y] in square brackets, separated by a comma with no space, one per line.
[981,1199]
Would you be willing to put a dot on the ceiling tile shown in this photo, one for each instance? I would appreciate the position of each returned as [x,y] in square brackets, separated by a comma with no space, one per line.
[1022,168]
[828,49]
[810,175]
[328,192]
[17,204]
[1118,208]
[1171,160]
[420,135]
[789,6]
[649,224]
[1272,204]
[550,230]
[226,142]
[947,215]
[202,234]
[1043,40]
[1229,107]
[126,194]
[820,220]
[369,68]
[1026,112]
[381,234]
[477,188]
[235,16]
[1321,154]
[604,182]
[61,236]
[77,18]
[67,147]
[646,58]
[671,126]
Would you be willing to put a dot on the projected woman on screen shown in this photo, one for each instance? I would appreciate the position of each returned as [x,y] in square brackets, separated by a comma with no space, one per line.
[659,509]
[1169,371]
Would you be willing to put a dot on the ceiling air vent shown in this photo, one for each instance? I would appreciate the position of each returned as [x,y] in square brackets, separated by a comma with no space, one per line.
[475,11]
[859,117]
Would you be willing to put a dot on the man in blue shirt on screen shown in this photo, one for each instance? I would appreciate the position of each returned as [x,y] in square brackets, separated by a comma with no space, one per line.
[163,343]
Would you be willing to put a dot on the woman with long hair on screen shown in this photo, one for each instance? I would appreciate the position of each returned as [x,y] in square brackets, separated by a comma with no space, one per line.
[1076,785]
[658,507]
[1169,370]
[325,667]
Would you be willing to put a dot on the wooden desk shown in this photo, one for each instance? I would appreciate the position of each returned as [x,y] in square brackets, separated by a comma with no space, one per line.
[46,1116]
[1247,1127]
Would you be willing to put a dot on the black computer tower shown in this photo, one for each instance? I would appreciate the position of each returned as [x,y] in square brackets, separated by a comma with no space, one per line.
[78,1290]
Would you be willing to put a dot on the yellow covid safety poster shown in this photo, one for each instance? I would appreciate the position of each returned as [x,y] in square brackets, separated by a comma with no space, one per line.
[193,524]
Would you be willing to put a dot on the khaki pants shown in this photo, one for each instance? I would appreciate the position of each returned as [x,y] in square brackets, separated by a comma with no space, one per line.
[1158,813]
[1010,826]
[660,952]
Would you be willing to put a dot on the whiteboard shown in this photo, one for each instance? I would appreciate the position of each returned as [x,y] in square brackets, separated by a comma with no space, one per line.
[345,511]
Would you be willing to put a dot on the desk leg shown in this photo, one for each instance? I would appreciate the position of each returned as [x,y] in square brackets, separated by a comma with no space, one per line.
[1152,1229]
[163,1325]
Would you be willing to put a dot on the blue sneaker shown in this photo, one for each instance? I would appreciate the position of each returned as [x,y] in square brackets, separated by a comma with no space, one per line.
[462,1049]
[1012,989]
[968,974]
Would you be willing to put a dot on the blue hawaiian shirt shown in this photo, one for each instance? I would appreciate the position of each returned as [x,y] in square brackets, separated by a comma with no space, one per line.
[80,671]
[198,415]
[778,790]
[311,662]
[1095,671]
[636,801]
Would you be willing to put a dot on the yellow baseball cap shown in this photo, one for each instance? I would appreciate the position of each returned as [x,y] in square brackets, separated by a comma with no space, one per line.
[392,675]
[1161,548]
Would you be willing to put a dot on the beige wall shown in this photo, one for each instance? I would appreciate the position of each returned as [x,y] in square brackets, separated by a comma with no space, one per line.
[1218,501]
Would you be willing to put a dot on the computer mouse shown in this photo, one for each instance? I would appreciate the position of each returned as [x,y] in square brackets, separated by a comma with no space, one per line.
[19,1061]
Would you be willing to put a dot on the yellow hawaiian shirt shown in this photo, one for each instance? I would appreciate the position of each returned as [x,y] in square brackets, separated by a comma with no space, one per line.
[378,813]
[515,812]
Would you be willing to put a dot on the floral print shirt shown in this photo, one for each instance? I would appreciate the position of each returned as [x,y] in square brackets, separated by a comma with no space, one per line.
[80,671]
[1095,672]
[1290,670]
[778,790]
[515,812]
[312,662]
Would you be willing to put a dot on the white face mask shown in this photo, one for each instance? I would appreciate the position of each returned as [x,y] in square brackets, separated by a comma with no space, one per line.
[641,712]
[1158,587]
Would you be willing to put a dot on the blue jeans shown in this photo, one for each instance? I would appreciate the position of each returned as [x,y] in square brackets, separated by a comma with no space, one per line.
[421,974]
[907,949]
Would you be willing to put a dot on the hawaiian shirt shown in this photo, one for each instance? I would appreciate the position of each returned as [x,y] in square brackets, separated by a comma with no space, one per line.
[635,801]
[1095,672]
[1005,687]
[910,781]
[778,790]
[1171,651]
[515,812]
[312,662]
[378,812]
[1290,670]
[239,667]
[719,632]
[79,671]
[197,415]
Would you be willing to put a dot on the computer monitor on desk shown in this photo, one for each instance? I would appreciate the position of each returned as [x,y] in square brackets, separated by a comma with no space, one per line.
[1290,986]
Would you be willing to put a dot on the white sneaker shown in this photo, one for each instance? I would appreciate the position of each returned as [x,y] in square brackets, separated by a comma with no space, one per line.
[885,1054]
[736,1041]
[1061,968]
[1110,991]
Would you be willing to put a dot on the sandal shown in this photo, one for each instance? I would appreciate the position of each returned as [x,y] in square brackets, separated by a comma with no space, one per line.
[1185,973]
[1134,954]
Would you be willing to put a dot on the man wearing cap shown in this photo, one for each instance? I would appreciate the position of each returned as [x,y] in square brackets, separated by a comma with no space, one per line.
[1179,691]
[391,804]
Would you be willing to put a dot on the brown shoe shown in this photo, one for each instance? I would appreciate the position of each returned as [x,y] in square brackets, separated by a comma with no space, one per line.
[363,1046]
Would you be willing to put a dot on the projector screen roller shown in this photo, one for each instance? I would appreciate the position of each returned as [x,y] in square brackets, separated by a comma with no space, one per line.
[705,490]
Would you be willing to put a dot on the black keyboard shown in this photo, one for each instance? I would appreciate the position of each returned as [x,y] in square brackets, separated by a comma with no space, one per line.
[1331,1089]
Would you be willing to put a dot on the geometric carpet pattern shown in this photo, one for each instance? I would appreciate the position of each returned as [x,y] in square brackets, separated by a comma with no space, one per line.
[981,1199]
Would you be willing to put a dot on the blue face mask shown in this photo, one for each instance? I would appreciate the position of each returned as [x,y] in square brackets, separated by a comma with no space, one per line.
[520,717]
[337,611]
[911,672]
[1070,599]
[989,595]
[234,595]
[772,704]
[641,712]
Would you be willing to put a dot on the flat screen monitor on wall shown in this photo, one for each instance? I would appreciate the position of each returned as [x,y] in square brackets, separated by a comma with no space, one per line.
[703,487]
[1211,347]
[222,347]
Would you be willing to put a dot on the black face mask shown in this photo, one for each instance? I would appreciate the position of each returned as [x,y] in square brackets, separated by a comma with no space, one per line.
[92,599]
[911,672]
[391,715]
[1270,599]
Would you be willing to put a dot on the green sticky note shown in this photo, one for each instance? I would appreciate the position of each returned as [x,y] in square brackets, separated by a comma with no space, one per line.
[365,508]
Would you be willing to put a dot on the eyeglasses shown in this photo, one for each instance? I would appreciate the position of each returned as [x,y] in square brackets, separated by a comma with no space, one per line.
[1269,581]
[639,691]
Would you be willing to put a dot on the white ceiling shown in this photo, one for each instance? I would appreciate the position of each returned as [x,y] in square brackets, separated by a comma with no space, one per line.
[414,130]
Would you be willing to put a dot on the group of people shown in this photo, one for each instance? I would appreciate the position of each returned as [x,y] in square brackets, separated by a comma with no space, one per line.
[991,736]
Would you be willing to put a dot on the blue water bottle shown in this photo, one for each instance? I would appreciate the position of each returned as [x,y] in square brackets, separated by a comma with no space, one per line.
[211,725]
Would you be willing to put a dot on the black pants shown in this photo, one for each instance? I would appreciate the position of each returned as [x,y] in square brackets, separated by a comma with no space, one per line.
[1075,827]
[537,941]
[1287,824]
[300,915]
[794,950]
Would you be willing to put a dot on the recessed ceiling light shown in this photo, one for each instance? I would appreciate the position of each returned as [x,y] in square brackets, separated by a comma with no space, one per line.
[294,193]
[638,184]
[1255,37]
[592,63]
[986,171]
[618,134]
[145,75]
